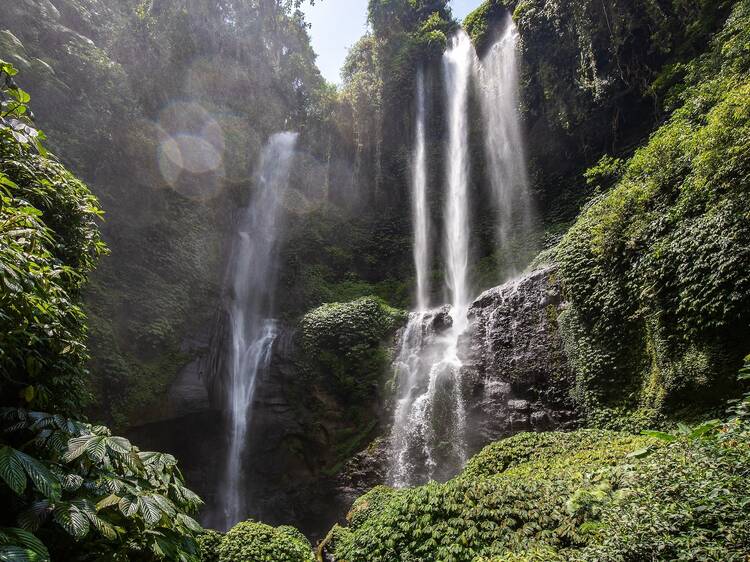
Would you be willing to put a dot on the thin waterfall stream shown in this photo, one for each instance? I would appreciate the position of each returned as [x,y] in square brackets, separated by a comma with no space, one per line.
[503,144]
[249,306]
[428,436]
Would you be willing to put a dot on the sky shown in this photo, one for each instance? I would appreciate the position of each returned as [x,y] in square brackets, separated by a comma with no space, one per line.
[337,24]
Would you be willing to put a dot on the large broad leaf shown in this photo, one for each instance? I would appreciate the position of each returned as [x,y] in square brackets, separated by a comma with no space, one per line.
[71,482]
[108,501]
[149,509]
[190,523]
[33,517]
[76,447]
[70,518]
[668,437]
[128,507]
[19,554]
[17,545]
[119,445]
[43,479]
[105,528]
[97,448]
[11,470]
[27,541]
[164,504]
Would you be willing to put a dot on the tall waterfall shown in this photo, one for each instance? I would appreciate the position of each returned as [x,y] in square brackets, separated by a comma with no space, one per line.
[428,433]
[503,142]
[458,63]
[249,304]
[420,216]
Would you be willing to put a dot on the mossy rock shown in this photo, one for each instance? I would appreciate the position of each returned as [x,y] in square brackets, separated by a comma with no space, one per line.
[346,344]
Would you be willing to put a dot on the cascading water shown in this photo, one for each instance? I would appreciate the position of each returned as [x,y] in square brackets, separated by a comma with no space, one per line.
[420,216]
[458,64]
[427,438]
[249,303]
[503,143]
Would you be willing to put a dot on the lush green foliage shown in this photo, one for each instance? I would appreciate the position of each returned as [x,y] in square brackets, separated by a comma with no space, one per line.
[208,545]
[588,495]
[49,242]
[660,303]
[256,542]
[89,495]
[344,343]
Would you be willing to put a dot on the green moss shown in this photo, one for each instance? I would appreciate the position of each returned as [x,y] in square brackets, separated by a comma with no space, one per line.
[346,346]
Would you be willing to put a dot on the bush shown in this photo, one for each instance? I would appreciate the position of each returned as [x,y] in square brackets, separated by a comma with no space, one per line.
[256,542]
[343,343]
[208,545]
[87,494]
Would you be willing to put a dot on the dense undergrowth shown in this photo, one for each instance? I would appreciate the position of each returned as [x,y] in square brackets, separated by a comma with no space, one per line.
[49,243]
[590,495]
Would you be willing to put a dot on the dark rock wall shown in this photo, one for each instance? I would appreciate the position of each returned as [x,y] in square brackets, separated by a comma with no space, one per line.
[517,377]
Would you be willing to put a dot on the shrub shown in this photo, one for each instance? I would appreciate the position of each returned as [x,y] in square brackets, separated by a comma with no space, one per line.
[256,542]
[343,343]
[88,494]
[208,545]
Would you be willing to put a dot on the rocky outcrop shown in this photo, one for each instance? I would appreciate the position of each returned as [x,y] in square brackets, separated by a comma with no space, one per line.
[303,465]
[516,375]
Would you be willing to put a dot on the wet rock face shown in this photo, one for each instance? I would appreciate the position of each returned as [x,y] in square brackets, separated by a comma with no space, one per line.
[516,375]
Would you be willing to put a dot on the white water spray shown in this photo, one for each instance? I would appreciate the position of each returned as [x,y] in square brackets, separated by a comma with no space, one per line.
[503,141]
[249,303]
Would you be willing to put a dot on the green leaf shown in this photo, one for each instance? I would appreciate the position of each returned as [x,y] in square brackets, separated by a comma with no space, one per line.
[70,518]
[150,511]
[76,447]
[119,445]
[97,448]
[108,501]
[43,479]
[668,437]
[190,523]
[17,554]
[640,453]
[128,507]
[11,470]
[29,542]
[33,517]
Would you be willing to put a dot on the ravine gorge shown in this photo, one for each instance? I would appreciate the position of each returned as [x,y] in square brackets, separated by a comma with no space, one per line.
[484,299]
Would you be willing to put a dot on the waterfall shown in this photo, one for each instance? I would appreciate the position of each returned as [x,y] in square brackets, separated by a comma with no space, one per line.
[458,62]
[503,143]
[428,434]
[420,216]
[249,304]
